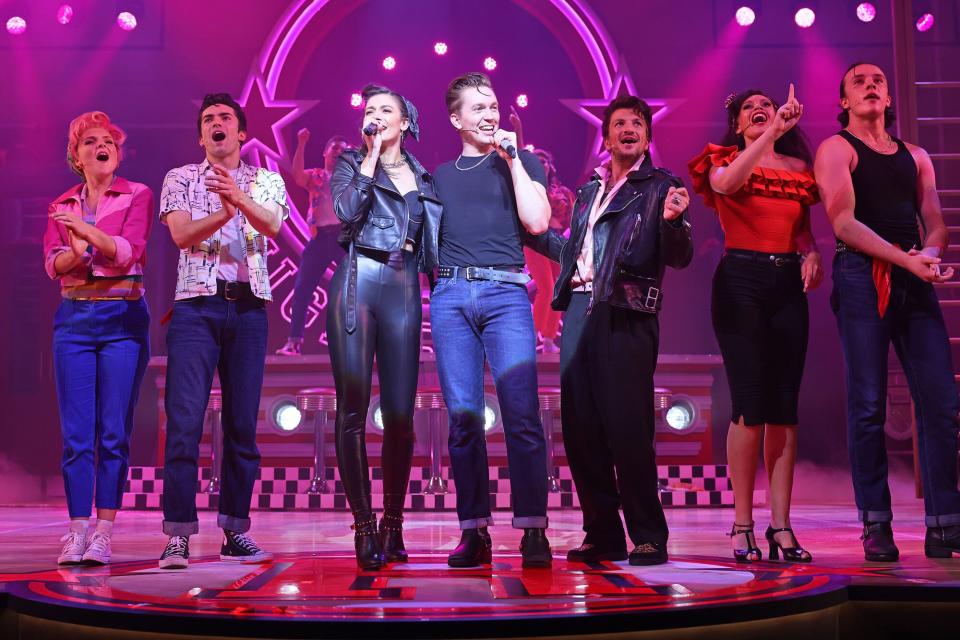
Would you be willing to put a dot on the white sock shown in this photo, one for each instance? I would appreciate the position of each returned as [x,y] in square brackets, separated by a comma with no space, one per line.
[104,526]
[79,525]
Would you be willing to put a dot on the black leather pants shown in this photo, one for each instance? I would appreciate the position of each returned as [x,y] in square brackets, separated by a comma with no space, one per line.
[388,317]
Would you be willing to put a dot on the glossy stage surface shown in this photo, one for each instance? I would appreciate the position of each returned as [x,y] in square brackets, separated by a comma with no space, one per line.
[313,589]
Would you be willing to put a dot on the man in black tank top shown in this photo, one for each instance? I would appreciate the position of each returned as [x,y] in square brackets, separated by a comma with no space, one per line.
[878,191]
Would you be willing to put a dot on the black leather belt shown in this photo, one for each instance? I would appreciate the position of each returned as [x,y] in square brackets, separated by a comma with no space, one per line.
[512,275]
[776,259]
[234,291]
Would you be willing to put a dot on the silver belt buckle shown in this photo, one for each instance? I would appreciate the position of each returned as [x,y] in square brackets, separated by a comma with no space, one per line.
[471,273]
[779,262]
[653,297]
[231,291]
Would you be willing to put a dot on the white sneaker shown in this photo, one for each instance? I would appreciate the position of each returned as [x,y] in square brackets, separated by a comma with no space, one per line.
[98,549]
[72,552]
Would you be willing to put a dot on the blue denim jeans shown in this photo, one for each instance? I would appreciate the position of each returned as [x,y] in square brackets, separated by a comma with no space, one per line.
[914,324]
[207,334]
[100,353]
[473,321]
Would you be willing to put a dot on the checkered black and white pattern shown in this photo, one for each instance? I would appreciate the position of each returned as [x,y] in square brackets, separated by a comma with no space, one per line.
[284,489]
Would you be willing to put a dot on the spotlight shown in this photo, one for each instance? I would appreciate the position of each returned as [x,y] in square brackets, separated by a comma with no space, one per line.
[356,100]
[529,147]
[924,23]
[389,63]
[681,415]
[285,415]
[489,63]
[126,21]
[64,14]
[16,26]
[440,48]
[866,12]
[491,414]
[522,101]
[745,16]
[804,17]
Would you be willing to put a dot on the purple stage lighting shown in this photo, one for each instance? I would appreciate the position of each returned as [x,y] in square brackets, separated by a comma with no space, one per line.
[389,63]
[440,48]
[804,17]
[745,16]
[356,100]
[126,21]
[489,63]
[866,12]
[924,22]
[522,101]
[64,14]
[16,25]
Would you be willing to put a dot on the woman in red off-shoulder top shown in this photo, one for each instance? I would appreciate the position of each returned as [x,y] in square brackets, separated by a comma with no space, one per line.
[760,183]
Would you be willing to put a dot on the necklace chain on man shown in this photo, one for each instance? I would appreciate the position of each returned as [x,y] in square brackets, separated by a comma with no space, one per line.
[482,160]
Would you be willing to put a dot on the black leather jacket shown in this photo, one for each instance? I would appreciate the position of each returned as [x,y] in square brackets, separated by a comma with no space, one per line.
[374,214]
[632,242]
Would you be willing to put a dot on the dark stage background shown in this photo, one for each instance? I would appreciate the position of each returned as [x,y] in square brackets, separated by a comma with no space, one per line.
[686,55]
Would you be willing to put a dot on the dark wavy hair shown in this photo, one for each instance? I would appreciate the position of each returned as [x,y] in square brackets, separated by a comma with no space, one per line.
[793,143]
[635,104]
[889,117]
[225,99]
[379,90]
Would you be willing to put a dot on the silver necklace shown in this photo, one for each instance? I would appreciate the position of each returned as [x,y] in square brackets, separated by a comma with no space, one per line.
[394,165]
[482,160]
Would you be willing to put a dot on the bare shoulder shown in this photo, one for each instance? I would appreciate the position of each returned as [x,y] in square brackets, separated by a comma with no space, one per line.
[919,154]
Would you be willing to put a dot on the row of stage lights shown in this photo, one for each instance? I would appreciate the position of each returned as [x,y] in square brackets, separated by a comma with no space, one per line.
[805,16]
[16,25]
[441,49]
[286,417]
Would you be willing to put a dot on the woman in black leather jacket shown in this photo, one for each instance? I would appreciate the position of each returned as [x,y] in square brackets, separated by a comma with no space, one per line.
[386,202]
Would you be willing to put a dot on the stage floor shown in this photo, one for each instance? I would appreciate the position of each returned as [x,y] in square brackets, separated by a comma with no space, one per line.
[314,589]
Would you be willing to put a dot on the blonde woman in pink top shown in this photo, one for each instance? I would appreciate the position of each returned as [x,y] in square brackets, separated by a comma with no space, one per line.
[95,245]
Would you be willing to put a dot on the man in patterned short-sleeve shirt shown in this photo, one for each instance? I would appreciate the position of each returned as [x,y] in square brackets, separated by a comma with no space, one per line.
[220,213]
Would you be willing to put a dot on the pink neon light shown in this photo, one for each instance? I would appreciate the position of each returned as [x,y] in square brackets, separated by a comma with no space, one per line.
[522,101]
[127,21]
[440,48]
[389,63]
[925,23]
[866,12]
[64,14]
[16,25]
[745,16]
[804,17]
[356,100]
[489,63]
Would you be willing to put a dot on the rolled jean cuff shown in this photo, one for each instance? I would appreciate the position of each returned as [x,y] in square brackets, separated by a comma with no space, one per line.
[529,522]
[476,523]
[875,516]
[183,529]
[943,521]
[232,523]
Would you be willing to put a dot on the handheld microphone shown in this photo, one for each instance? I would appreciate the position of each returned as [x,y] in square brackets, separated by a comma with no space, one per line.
[371,129]
[511,150]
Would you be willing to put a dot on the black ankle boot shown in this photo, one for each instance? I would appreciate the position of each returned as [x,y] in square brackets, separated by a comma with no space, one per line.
[535,549]
[942,542]
[475,548]
[367,543]
[391,537]
[878,543]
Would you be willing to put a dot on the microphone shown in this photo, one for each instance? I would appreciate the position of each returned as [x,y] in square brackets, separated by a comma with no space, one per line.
[371,129]
[511,150]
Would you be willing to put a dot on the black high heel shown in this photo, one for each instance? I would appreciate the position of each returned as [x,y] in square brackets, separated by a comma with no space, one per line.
[367,544]
[796,553]
[391,538]
[752,553]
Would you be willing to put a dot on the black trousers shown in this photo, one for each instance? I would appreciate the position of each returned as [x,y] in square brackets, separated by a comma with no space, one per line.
[607,361]
[388,326]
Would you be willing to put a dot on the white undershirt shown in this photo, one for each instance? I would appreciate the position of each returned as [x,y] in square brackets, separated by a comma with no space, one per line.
[233,257]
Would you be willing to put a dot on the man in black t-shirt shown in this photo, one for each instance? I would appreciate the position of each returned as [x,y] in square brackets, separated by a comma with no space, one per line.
[878,191]
[494,199]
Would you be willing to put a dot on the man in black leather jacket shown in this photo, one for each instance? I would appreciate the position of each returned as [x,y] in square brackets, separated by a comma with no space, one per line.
[628,225]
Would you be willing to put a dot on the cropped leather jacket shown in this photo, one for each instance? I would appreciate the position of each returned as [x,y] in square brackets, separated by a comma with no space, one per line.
[633,243]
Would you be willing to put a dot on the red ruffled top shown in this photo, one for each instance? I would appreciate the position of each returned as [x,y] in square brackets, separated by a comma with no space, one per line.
[765,214]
